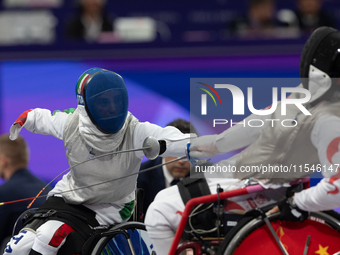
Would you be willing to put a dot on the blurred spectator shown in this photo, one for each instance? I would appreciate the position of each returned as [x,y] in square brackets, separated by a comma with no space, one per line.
[20,183]
[259,22]
[162,177]
[311,15]
[90,21]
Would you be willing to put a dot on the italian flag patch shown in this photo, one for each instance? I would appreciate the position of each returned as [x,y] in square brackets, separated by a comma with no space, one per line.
[81,82]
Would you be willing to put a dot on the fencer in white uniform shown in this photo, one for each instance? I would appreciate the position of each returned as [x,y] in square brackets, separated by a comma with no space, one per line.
[101,124]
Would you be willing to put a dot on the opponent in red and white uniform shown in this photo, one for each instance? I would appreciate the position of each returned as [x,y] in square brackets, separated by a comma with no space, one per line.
[314,141]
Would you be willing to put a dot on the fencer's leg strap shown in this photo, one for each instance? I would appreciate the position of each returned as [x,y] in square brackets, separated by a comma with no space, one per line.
[79,217]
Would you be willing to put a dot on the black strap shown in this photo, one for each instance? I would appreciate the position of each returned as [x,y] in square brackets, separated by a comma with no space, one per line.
[79,217]
[58,204]
[191,187]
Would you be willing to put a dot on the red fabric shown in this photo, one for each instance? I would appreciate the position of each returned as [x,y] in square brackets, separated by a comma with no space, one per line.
[333,148]
[324,240]
[233,207]
[22,118]
[61,233]
[82,85]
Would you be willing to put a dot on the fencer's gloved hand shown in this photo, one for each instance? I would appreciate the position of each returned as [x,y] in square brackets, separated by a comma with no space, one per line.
[203,147]
[152,147]
[17,125]
[290,211]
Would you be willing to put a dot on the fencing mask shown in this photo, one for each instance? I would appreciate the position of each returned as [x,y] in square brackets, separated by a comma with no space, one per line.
[105,97]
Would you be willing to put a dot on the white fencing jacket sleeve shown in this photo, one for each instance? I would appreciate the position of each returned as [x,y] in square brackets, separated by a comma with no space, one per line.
[238,136]
[175,140]
[325,195]
[42,121]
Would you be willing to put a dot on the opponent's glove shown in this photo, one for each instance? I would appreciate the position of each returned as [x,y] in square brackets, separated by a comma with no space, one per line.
[203,147]
[290,211]
[17,125]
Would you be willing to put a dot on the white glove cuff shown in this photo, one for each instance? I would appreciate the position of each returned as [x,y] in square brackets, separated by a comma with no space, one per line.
[14,131]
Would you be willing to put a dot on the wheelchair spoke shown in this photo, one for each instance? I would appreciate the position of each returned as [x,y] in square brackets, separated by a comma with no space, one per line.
[131,246]
[306,246]
[277,239]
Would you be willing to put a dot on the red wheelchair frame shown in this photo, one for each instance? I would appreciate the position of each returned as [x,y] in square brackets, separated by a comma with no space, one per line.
[209,199]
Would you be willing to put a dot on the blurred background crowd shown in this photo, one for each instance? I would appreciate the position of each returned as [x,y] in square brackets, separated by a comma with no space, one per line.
[64,24]
[157,46]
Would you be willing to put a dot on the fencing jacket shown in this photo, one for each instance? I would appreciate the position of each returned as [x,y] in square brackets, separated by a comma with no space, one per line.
[313,148]
[81,147]
[284,147]
[105,201]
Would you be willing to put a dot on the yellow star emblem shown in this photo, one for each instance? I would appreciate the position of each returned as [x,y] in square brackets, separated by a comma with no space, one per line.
[322,250]
[280,232]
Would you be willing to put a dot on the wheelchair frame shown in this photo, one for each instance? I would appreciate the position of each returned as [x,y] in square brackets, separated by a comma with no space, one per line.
[122,228]
[96,243]
[209,199]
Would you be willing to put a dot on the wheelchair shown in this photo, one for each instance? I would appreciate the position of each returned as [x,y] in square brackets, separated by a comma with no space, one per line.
[253,231]
[127,238]
[122,239]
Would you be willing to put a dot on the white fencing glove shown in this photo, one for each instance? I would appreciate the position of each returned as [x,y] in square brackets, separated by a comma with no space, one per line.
[203,147]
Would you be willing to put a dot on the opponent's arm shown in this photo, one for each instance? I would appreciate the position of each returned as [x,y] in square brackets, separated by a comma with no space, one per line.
[325,195]
[236,137]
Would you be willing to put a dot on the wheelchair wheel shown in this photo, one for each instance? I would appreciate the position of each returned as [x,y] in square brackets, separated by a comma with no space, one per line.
[323,228]
[124,239]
